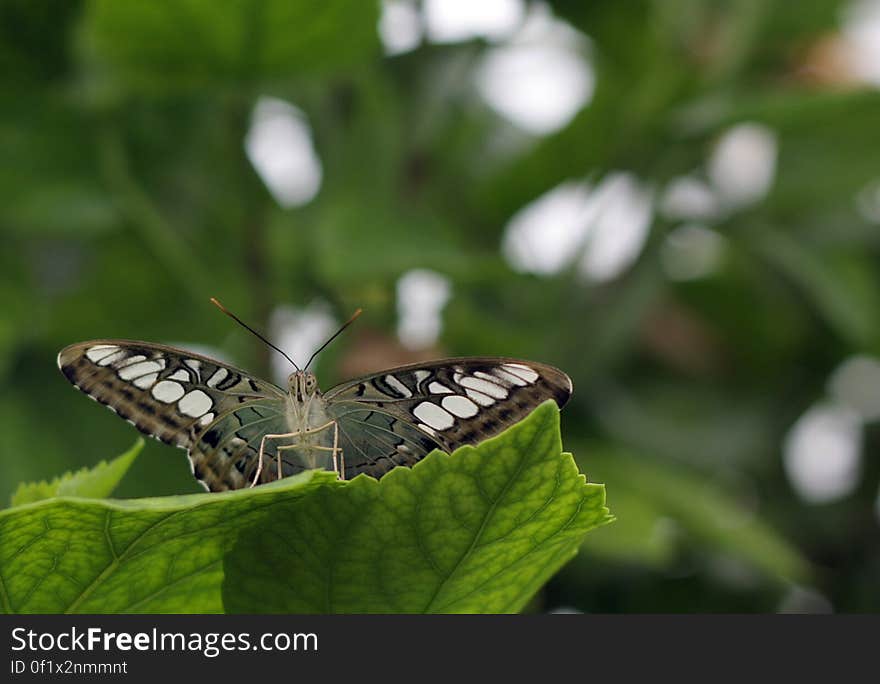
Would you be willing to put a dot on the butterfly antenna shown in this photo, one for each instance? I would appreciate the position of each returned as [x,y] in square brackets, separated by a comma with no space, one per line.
[335,335]
[249,328]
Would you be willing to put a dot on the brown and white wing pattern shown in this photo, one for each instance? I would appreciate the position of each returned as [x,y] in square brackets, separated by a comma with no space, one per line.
[396,417]
[216,412]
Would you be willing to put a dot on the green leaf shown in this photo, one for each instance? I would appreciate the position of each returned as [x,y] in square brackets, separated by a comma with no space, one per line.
[88,483]
[144,555]
[478,531]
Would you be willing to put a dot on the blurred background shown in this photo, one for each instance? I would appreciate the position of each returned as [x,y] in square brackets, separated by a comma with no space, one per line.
[675,201]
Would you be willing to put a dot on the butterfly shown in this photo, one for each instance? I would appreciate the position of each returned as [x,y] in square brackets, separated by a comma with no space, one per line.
[240,431]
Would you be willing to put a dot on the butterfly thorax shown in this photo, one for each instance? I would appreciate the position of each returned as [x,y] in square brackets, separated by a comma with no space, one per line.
[305,405]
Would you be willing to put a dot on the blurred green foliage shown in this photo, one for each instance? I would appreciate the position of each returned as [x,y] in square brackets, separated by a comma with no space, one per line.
[126,200]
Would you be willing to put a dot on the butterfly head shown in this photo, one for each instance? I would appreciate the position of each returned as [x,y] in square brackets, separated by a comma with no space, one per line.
[303,385]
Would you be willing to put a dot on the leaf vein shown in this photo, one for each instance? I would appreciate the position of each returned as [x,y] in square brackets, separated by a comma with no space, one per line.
[489,513]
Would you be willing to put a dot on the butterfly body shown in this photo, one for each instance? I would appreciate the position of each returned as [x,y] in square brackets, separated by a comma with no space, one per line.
[308,421]
[240,430]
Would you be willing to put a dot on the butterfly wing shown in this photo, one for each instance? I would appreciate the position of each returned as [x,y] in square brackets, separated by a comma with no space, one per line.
[217,412]
[373,441]
[396,417]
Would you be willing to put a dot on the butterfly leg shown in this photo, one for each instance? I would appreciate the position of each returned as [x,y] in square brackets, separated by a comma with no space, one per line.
[335,446]
[341,469]
[259,466]
[334,450]
[262,450]
[340,472]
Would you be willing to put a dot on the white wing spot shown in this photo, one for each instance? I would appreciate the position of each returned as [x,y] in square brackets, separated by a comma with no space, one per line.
[146,381]
[524,372]
[489,387]
[499,377]
[195,365]
[168,391]
[507,376]
[195,404]
[137,358]
[433,416]
[460,406]
[218,377]
[179,374]
[398,385]
[439,388]
[420,376]
[479,397]
[206,419]
[112,358]
[99,351]
[425,428]
[134,370]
